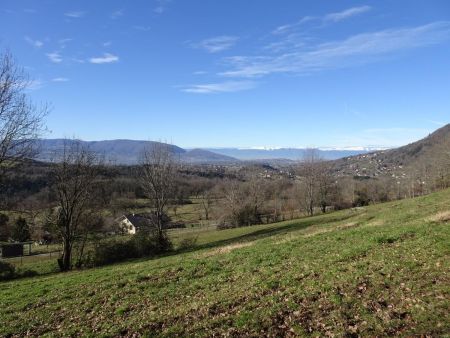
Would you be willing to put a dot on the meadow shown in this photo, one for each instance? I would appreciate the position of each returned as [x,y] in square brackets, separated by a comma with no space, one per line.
[373,271]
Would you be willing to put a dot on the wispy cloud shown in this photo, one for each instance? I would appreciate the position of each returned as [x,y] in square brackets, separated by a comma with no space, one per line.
[357,49]
[346,14]
[288,27]
[161,6]
[383,137]
[216,44]
[55,57]
[34,43]
[34,84]
[142,28]
[60,79]
[327,18]
[222,87]
[437,123]
[117,14]
[106,43]
[106,58]
[75,14]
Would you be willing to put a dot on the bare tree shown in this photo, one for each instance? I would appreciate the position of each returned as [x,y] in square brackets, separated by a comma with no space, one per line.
[234,199]
[256,190]
[325,184]
[207,200]
[158,170]
[309,174]
[21,122]
[75,174]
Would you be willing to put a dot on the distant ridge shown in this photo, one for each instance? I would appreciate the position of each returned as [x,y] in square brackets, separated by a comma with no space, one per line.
[127,152]
[399,162]
[293,154]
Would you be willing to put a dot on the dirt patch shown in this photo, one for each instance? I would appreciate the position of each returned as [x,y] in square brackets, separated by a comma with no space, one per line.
[348,225]
[226,249]
[443,216]
[376,223]
[318,232]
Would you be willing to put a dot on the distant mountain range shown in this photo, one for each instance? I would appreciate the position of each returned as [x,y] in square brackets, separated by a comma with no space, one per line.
[127,152]
[293,154]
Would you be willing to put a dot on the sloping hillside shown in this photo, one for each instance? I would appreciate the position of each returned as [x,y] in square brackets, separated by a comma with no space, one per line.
[399,161]
[376,271]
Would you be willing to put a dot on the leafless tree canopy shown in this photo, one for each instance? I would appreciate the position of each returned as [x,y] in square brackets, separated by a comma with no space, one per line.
[157,176]
[75,174]
[21,122]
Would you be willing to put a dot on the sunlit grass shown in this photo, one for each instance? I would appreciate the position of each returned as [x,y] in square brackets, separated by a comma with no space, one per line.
[377,271]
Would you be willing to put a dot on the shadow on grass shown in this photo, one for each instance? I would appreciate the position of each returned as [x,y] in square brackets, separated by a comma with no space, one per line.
[273,230]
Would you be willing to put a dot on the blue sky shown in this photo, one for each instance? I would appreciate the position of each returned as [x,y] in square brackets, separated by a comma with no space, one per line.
[236,73]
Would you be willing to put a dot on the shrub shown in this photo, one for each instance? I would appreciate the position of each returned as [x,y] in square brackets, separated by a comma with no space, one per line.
[7,271]
[188,243]
[143,244]
[243,216]
[108,252]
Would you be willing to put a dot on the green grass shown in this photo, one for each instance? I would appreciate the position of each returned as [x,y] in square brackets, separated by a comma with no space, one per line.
[377,271]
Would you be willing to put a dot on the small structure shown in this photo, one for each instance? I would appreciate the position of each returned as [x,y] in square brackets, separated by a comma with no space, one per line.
[132,223]
[8,250]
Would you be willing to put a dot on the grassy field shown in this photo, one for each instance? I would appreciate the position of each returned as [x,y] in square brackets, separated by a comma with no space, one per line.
[376,271]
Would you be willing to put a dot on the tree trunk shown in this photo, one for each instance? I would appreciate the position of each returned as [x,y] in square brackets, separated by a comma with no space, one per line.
[64,264]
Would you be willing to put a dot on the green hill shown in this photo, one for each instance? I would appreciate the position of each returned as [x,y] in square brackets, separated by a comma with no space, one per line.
[430,153]
[375,271]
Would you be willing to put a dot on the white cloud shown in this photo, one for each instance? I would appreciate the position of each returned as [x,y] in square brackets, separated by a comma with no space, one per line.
[75,14]
[348,13]
[327,18]
[107,44]
[55,57]
[60,79]
[106,58]
[34,84]
[288,27]
[222,87]
[357,49]
[161,6]
[34,43]
[380,138]
[438,123]
[117,14]
[64,41]
[216,44]
[142,28]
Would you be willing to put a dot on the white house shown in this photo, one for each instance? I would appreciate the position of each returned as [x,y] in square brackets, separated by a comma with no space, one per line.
[132,223]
